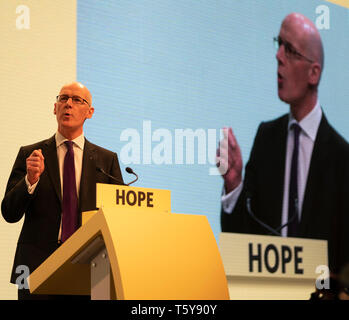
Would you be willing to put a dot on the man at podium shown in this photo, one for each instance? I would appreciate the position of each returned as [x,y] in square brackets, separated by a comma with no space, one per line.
[53,181]
[297,178]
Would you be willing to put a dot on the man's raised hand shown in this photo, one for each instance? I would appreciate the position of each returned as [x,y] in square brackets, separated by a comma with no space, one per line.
[229,160]
[35,166]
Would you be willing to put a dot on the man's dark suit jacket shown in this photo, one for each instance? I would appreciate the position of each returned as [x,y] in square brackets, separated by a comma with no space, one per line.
[325,211]
[42,210]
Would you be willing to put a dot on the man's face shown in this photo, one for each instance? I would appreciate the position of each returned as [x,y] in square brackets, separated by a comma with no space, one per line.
[71,116]
[293,71]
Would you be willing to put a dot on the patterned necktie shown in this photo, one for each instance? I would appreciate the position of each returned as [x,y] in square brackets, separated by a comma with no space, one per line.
[70,198]
[293,192]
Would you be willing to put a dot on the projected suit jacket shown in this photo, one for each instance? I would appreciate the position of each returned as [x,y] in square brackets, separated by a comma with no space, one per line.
[325,210]
[42,210]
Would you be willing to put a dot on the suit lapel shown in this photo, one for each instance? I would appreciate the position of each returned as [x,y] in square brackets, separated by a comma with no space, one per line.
[51,165]
[87,195]
[319,161]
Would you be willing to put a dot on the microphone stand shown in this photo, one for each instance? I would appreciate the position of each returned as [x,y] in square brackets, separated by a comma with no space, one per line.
[270,229]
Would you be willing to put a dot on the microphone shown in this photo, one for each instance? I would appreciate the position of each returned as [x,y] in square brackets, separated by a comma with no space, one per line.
[269,228]
[130,171]
[110,176]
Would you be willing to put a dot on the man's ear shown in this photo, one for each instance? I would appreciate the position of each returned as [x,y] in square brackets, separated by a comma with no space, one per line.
[314,74]
[91,110]
[54,109]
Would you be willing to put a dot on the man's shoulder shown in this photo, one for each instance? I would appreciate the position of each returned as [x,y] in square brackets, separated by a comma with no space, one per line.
[335,138]
[39,145]
[282,120]
[274,126]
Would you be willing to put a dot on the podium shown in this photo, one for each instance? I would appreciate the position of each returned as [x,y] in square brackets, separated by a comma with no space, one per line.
[135,248]
[268,267]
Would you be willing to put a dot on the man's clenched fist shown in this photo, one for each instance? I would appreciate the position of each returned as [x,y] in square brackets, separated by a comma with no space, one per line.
[35,166]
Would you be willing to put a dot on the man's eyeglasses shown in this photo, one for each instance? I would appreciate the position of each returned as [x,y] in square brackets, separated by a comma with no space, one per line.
[75,99]
[290,52]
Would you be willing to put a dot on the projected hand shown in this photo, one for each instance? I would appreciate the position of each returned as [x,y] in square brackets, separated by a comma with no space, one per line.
[35,166]
[229,160]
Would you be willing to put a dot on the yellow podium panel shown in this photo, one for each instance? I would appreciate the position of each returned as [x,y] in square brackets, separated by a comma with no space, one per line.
[151,255]
[185,261]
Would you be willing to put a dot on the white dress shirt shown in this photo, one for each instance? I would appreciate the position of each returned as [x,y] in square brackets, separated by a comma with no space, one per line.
[309,125]
[78,147]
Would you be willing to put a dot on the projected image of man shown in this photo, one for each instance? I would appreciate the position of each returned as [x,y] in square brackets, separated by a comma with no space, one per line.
[297,173]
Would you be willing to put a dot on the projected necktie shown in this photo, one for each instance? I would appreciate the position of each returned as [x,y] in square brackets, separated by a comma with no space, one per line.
[70,199]
[293,192]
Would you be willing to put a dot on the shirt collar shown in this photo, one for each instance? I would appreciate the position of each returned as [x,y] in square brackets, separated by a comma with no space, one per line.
[310,123]
[79,141]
